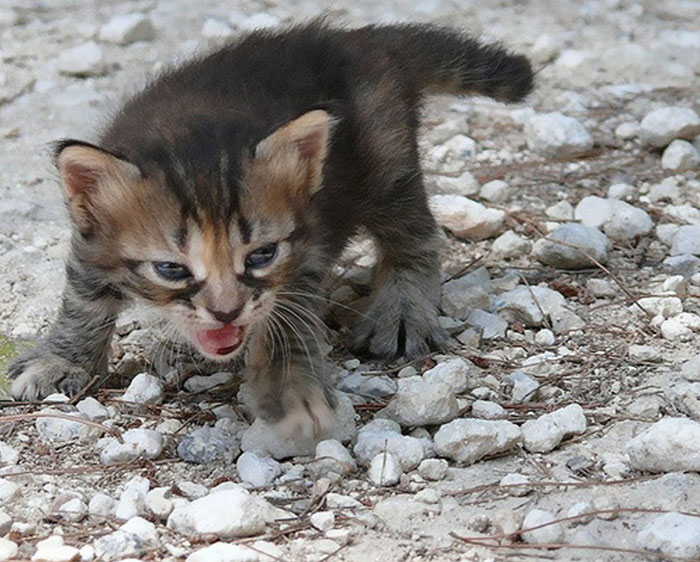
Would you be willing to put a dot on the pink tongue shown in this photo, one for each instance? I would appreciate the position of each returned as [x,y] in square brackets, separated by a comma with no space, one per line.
[221,341]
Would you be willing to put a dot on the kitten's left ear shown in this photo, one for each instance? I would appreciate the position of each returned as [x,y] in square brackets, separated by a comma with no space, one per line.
[299,146]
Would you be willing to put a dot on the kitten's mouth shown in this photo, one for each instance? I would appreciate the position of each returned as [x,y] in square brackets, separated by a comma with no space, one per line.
[221,341]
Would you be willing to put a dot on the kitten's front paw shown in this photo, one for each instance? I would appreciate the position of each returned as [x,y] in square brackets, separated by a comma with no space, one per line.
[398,325]
[37,375]
[308,418]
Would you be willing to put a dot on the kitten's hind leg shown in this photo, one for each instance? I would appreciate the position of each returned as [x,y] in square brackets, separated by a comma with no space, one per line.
[402,319]
[76,348]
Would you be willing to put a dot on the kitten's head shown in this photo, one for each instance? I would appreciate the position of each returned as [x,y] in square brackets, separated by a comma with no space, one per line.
[211,242]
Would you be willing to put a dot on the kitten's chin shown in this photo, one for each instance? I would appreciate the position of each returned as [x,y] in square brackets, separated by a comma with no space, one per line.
[221,343]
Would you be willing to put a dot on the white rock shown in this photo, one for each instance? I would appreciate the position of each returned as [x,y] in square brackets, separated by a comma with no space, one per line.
[200,383]
[553,533]
[455,373]
[157,502]
[593,211]
[8,455]
[418,403]
[620,191]
[5,523]
[8,549]
[601,288]
[643,353]
[224,552]
[332,456]
[687,240]
[73,510]
[690,370]
[516,483]
[670,445]
[628,130]
[495,191]
[119,545]
[527,304]
[680,327]
[9,491]
[60,430]
[487,410]
[578,510]
[547,431]
[451,155]
[560,211]
[83,60]
[216,29]
[385,470]
[458,300]
[144,389]
[408,450]
[464,184]
[433,469]
[627,222]
[556,134]
[52,549]
[339,501]
[672,534]
[132,500]
[259,20]
[510,245]
[208,444]
[322,520]
[661,126]
[466,218]
[101,505]
[128,28]
[679,156]
[137,442]
[192,490]
[659,306]
[524,387]
[226,514]
[92,409]
[257,471]
[468,440]
[143,529]
[545,337]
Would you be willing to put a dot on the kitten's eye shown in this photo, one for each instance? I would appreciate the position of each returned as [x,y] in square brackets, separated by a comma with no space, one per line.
[262,256]
[171,271]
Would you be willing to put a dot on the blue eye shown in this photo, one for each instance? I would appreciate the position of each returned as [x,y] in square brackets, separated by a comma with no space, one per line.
[171,271]
[262,256]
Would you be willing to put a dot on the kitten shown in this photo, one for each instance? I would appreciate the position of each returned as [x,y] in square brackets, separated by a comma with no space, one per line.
[222,193]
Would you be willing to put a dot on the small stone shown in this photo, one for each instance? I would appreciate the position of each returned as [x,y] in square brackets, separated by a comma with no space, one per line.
[200,383]
[680,156]
[216,29]
[455,373]
[459,300]
[510,245]
[419,403]
[101,505]
[433,469]
[128,28]
[8,455]
[191,490]
[52,549]
[487,410]
[681,327]
[408,450]
[464,184]
[547,431]
[137,442]
[332,456]
[687,240]
[661,126]
[61,430]
[227,514]
[690,370]
[144,389]
[686,265]
[158,504]
[556,134]
[351,364]
[581,512]
[73,510]
[601,288]
[667,307]
[495,191]
[545,337]
[643,353]
[257,471]
[562,211]
[83,60]
[670,445]
[5,524]
[553,533]
[526,305]
[92,409]
[469,440]
[524,387]
[143,529]
[628,130]
[208,444]
[8,491]
[132,500]
[340,501]
[8,549]
[517,484]
[671,534]
[577,241]
[408,371]
[620,191]
[323,520]
[627,222]
[385,470]
[466,218]
[224,552]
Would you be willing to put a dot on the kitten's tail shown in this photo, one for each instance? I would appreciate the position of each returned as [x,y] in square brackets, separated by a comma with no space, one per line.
[443,60]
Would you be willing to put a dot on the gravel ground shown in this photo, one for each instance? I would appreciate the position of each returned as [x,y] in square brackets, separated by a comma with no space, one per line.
[566,423]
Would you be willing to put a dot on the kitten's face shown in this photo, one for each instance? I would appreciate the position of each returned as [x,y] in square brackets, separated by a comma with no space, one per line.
[216,263]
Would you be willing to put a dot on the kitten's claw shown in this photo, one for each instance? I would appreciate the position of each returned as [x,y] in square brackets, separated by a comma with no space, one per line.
[37,376]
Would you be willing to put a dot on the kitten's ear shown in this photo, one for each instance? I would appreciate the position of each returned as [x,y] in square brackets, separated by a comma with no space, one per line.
[94,182]
[300,145]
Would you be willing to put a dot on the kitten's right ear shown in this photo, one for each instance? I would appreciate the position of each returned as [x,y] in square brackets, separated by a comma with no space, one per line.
[94,182]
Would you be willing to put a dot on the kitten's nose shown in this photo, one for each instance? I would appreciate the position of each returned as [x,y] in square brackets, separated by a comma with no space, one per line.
[226,316]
